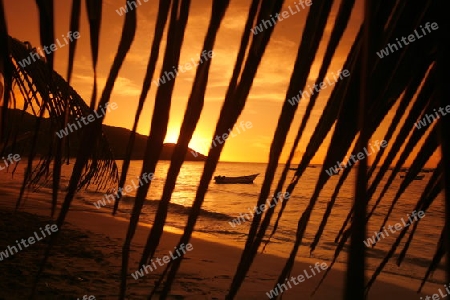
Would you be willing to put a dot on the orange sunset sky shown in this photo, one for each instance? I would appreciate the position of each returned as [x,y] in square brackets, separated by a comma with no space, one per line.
[267,94]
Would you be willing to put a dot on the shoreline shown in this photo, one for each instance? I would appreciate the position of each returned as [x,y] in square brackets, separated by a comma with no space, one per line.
[212,261]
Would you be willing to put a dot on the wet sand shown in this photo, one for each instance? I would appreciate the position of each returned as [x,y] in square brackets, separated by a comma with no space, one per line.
[86,260]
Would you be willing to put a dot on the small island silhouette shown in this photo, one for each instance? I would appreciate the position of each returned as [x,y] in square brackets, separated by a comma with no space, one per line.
[117,138]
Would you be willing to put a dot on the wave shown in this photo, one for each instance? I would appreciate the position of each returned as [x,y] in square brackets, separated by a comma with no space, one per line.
[152,205]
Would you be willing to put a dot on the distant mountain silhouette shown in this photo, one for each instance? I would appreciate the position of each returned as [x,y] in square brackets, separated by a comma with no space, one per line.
[25,123]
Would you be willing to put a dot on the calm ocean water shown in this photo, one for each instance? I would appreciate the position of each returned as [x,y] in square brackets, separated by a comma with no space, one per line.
[225,202]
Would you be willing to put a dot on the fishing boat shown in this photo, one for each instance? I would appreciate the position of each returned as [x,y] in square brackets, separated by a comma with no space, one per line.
[418,177]
[238,179]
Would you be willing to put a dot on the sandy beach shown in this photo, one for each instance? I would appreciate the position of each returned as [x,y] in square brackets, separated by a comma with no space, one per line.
[87,255]
[199,115]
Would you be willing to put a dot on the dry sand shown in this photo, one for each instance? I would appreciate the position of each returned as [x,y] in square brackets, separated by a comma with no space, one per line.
[87,257]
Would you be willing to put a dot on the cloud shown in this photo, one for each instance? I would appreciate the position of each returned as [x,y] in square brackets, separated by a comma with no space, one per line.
[261,141]
[122,86]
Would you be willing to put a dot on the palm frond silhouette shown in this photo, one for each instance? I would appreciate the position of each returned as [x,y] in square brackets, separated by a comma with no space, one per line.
[358,105]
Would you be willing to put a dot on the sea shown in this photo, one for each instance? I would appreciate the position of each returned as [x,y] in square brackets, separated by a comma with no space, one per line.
[224,202]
